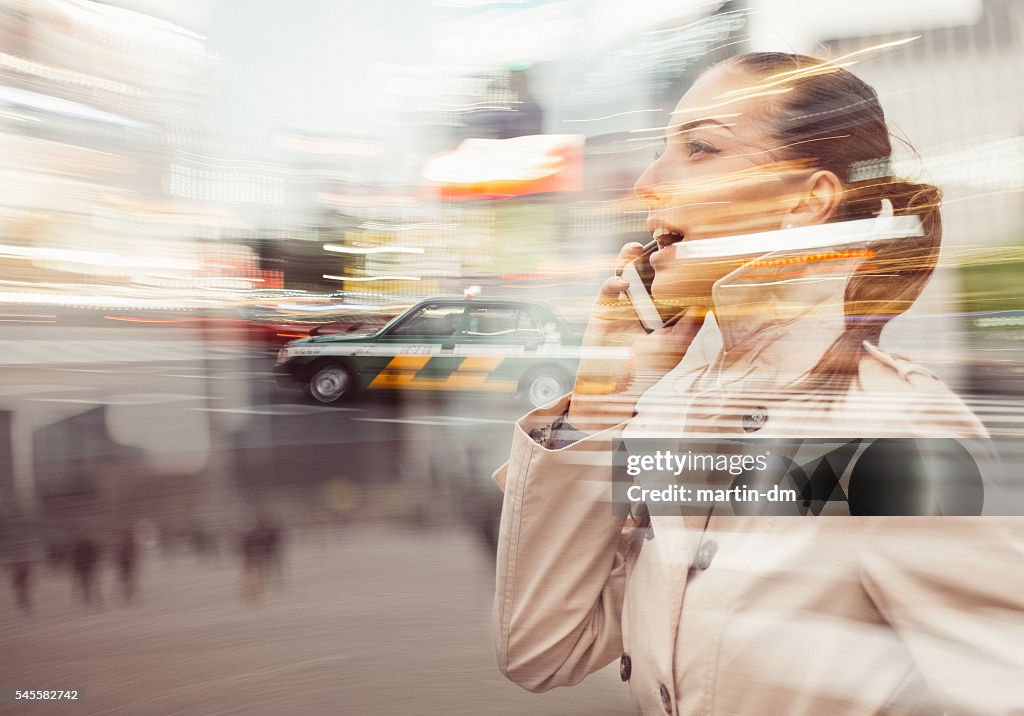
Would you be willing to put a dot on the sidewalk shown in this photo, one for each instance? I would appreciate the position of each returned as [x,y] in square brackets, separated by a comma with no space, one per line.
[370,621]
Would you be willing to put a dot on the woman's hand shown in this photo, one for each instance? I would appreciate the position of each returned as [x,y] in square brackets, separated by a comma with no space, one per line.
[620,359]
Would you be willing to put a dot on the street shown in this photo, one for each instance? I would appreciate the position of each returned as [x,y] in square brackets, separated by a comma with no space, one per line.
[160,402]
[385,504]
[370,620]
[386,508]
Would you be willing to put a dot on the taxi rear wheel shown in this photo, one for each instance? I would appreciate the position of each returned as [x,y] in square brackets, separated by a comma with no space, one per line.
[330,383]
[544,385]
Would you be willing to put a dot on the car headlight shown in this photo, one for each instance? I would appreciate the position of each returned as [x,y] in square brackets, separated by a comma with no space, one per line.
[282,356]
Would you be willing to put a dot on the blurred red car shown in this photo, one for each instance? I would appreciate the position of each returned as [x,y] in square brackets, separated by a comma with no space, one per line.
[270,334]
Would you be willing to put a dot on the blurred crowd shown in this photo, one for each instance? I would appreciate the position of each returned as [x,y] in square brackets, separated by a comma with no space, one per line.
[84,558]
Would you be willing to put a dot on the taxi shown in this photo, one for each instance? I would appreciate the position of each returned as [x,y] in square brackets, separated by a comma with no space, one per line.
[441,344]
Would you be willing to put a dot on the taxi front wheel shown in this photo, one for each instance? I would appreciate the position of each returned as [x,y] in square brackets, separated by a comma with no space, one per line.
[544,385]
[330,383]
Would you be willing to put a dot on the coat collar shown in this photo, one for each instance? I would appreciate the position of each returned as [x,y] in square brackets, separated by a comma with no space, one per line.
[777,315]
[771,322]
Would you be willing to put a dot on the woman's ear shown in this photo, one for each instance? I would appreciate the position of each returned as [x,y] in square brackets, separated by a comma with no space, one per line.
[818,199]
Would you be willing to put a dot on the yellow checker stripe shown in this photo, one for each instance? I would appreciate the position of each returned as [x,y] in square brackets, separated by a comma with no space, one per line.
[457,382]
[478,381]
[399,372]
[596,386]
[411,363]
[484,364]
[472,374]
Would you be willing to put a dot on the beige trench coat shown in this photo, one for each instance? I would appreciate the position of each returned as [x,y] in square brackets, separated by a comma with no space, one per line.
[720,614]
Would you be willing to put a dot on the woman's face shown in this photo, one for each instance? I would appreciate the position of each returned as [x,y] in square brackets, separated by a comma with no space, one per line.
[716,177]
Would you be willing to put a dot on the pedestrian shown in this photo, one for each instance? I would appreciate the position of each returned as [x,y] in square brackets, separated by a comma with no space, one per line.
[85,557]
[21,582]
[261,557]
[273,541]
[718,613]
[126,553]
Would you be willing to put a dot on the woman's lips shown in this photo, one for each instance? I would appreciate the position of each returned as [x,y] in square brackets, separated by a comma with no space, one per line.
[665,240]
[666,237]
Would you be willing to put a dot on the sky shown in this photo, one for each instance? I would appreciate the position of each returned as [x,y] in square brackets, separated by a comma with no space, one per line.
[312,65]
[309,65]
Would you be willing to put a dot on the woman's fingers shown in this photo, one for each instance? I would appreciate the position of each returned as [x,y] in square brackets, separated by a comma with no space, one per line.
[631,251]
[613,326]
[611,304]
[613,286]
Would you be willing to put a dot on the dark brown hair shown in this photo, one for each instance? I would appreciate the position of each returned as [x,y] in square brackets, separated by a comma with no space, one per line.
[832,120]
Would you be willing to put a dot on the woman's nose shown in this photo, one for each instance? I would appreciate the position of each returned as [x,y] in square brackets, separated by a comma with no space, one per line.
[646,187]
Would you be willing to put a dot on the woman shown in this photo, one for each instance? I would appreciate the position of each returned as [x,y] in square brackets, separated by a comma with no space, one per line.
[720,614]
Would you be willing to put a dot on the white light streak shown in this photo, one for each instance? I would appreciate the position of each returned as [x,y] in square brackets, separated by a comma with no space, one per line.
[612,116]
[331,277]
[339,249]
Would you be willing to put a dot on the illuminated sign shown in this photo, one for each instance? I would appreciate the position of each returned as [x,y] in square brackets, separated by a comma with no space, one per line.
[497,168]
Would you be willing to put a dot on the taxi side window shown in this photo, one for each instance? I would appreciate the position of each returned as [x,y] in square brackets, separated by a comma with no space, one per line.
[432,321]
[502,321]
[492,321]
[526,326]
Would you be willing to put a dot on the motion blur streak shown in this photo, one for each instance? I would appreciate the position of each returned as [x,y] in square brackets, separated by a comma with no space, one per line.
[189,186]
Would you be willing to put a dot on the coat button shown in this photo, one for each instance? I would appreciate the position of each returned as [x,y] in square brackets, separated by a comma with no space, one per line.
[666,699]
[755,419]
[625,667]
[705,554]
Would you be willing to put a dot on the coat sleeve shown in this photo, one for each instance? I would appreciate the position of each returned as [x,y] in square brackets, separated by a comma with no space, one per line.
[953,588]
[560,565]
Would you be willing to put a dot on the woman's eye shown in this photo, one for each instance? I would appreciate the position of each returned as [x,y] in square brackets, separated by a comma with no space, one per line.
[697,146]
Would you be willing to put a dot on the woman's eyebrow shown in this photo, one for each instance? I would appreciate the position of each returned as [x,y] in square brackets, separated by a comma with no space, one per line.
[697,123]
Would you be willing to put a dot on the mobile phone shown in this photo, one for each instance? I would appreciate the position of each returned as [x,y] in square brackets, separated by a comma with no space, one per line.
[639,274]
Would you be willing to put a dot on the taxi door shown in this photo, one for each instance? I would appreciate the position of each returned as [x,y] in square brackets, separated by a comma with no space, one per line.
[500,344]
[418,353]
